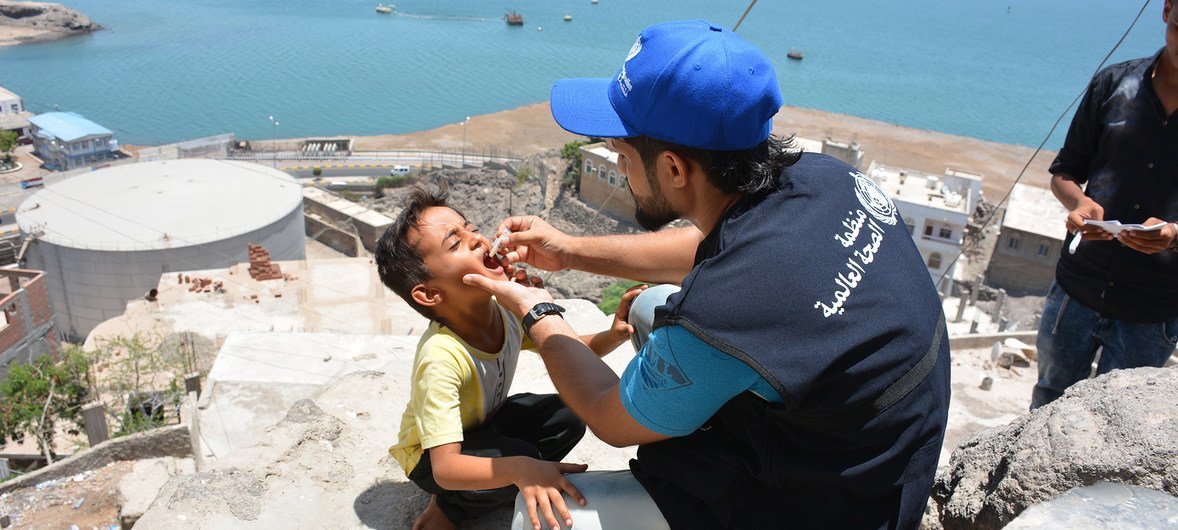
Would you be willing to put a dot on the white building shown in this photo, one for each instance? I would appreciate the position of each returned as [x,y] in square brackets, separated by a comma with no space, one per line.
[65,140]
[935,208]
[106,236]
[13,116]
[1029,243]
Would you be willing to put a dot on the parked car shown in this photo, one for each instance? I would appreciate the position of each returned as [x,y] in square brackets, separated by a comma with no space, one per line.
[399,170]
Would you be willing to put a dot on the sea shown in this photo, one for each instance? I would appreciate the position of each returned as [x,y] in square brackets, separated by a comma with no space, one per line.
[169,70]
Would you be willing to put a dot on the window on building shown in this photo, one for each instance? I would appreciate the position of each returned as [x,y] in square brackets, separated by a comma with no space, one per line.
[1043,249]
[623,181]
[911,228]
[601,172]
[613,178]
[1012,243]
[15,107]
[589,166]
[946,233]
[934,261]
[928,230]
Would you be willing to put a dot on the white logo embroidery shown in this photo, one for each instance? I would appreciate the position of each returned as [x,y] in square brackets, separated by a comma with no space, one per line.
[874,199]
[863,253]
[623,80]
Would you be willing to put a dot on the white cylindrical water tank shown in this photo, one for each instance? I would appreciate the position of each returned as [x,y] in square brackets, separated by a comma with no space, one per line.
[104,238]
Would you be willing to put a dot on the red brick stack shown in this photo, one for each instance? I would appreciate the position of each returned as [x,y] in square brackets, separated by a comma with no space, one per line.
[260,266]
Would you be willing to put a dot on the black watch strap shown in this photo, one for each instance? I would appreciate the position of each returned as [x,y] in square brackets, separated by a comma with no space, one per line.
[539,311]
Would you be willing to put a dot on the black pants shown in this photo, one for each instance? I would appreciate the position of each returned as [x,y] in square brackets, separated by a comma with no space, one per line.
[538,426]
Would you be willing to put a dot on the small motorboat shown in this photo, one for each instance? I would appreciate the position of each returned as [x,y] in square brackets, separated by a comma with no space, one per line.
[568,18]
[514,19]
[795,54]
[381,8]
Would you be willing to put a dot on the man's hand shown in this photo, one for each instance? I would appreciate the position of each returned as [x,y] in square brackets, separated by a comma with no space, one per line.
[516,297]
[535,242]
[541,484]
[621,325]
[1085,210]
[1150,242]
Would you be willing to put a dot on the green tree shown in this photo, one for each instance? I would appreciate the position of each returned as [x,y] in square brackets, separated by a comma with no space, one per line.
[7,145]
[36,397]
[140,375]
[612,294]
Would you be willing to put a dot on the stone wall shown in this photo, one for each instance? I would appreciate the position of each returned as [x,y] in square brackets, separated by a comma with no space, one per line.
[165,441]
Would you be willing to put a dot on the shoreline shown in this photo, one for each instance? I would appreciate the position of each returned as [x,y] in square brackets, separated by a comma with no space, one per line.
[530,130]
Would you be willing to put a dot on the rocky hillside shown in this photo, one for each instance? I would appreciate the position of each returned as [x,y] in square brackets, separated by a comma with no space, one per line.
[35,21]
[487,196]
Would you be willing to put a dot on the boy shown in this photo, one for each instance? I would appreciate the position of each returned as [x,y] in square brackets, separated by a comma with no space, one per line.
[461,438]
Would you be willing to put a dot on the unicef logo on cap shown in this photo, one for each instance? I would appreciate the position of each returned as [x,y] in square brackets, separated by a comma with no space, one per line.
[874,200]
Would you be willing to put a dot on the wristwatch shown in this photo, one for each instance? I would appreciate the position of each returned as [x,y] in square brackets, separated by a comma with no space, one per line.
[1174,244]
[539,311]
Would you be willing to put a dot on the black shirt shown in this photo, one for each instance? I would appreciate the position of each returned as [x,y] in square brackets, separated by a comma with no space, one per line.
[1124,146]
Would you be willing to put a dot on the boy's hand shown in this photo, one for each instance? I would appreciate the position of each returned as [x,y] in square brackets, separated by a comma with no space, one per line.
[541,484]
[622,324]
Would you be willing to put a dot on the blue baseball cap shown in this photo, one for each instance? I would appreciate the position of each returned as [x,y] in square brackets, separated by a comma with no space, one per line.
[689,82]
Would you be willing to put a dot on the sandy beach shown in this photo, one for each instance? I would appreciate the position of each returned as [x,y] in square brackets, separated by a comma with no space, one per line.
[531,129]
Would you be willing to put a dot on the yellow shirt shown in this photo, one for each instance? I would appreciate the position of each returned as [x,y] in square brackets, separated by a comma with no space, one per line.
[455,387]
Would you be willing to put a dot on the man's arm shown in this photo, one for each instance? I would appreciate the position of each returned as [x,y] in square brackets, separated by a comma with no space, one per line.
[665,256]
[588,385]
[1080,207]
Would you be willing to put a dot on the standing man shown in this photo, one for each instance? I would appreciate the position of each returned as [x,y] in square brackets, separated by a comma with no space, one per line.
[1119,294]
[800,377]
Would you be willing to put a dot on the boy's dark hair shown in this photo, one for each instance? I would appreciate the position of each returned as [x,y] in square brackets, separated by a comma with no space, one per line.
[398,262]
[747,171]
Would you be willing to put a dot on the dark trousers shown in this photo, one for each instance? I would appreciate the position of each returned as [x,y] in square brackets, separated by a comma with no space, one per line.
[537,426]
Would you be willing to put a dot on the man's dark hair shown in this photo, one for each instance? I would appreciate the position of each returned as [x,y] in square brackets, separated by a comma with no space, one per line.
[747,171]
[398,262]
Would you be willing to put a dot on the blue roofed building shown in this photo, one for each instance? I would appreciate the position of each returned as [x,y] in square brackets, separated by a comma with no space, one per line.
[66,140]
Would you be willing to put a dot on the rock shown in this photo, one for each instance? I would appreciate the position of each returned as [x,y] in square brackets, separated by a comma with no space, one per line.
[139,488]
[1118,427]
[1110,505]
[50,21]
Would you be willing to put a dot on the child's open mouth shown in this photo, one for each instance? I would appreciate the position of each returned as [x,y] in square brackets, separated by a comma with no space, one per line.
[492,263]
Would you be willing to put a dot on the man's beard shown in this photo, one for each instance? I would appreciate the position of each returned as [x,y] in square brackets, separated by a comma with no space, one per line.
[654,212]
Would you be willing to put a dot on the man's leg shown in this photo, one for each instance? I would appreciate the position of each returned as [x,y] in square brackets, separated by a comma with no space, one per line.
[1134,345]
[1066,346]
[642,312]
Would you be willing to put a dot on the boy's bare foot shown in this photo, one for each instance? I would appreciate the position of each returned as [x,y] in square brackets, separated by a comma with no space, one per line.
[432,518]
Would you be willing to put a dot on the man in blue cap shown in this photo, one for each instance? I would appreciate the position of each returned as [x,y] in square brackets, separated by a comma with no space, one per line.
[800,375]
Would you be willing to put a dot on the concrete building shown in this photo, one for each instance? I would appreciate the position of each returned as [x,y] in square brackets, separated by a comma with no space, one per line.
[341,224]
[1029,242]
[848,152]
[26,321]
[104,237]
[65,141]
[13,115]
[602,186]
[935,208]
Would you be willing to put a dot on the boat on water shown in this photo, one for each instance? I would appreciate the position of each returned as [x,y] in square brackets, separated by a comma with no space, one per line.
[568,18]
[795,54]
[381,8]
[514,19]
